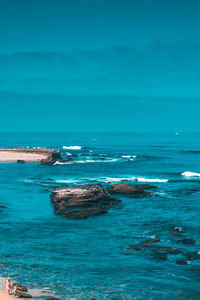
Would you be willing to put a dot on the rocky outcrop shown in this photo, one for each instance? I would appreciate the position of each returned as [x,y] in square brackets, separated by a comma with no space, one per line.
[80,202]
[130,190]
[52,158]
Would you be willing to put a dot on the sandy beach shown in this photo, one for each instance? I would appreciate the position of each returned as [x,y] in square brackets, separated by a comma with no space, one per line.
[29,156]
[34,292]
[4,296]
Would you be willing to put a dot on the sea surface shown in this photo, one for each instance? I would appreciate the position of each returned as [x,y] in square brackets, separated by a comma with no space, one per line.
[81,259]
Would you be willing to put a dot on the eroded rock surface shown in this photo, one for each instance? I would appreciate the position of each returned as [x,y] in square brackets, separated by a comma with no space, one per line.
[52,158]
[80,202]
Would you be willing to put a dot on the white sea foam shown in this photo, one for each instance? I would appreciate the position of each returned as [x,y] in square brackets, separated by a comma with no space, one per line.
[108,179]
[62,163]
[141,179]
[129,156]
[116,179]
[84,161]
[190,174]
[67,153]
[72,147]
[66,181]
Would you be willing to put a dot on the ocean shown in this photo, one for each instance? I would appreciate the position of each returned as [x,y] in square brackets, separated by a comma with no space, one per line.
[81,259]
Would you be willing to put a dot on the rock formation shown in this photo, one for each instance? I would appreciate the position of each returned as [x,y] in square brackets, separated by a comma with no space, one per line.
[80,202]
[136,191]
[52,158]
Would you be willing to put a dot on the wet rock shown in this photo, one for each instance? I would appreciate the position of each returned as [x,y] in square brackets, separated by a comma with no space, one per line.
[191,255]
[181,262]
[177,234]
[177,231]
[52,158]
[2,206]
[134,248]
[130,190]
[187,241]
[149,242]
[80,202]
[20,161]
[156,255]
[23,295]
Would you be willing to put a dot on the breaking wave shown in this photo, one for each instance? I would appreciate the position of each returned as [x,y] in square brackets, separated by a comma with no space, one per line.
[72,147]
[141,179]
[190,174]
[85,161]
[129,156]
[108,179]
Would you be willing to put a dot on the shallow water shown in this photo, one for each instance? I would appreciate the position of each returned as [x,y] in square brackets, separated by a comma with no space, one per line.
[80,259]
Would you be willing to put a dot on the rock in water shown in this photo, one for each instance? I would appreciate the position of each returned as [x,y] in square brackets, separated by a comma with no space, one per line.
[181,262]
[52,158]
[131,190]
[81,202]
[20,161]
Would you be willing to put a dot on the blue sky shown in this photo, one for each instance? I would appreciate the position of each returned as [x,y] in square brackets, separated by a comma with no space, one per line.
[99,65]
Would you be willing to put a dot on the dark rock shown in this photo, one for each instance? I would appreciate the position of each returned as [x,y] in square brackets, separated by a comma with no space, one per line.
[181,262]
[187,241]
[2,206]
[191,255]
[156,255]
[177,234]
[80,202]
[127,189]
[134,248]
[52,158]
[177,231]
[20,161]
[149,242]
[23,295]
[169,250]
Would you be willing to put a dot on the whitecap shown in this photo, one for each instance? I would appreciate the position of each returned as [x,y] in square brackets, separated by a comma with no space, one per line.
[66,181]
[116,179]
[67,153]
[129,156]
[72,147]
[190,174]
[141,179]
[62,163]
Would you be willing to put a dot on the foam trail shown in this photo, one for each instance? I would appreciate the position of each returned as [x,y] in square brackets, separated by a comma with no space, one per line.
[190,174]
[66,181]
[67,153]
[62,163]
[129,156]
[72,147]
[116,179]
[141,179]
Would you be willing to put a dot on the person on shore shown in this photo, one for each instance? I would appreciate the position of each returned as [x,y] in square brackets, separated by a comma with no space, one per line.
[15,289]
[8,285]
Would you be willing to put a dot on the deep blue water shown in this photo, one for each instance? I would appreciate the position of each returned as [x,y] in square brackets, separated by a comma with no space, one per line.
[80,259]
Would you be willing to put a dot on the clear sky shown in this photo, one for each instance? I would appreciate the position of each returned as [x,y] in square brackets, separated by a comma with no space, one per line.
[99,65]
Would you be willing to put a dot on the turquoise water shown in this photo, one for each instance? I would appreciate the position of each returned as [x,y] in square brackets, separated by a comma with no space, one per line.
[80,259]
